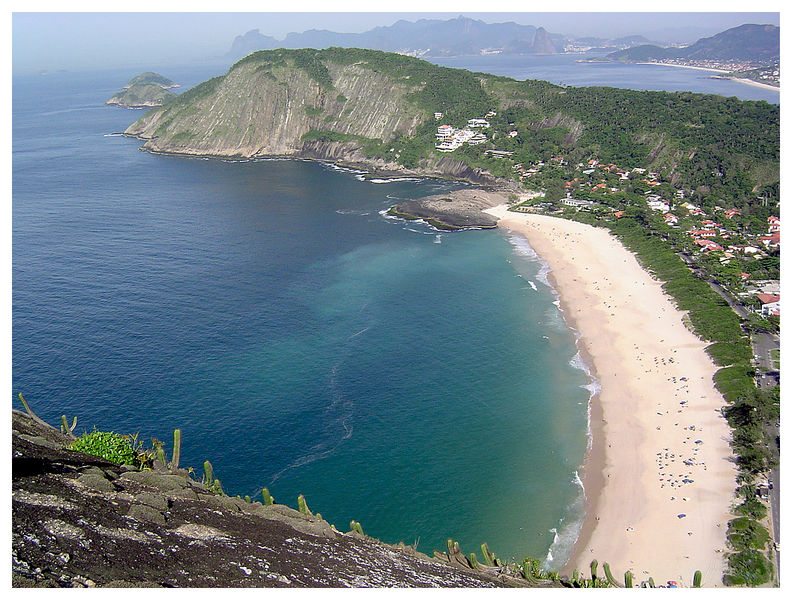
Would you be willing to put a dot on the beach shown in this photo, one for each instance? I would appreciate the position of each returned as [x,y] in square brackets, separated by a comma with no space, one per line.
[658,476]
[758,84]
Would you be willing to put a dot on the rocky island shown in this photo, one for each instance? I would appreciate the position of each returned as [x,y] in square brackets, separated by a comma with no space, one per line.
[144,91]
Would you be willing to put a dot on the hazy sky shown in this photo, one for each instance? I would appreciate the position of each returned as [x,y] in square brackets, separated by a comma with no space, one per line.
[87,39]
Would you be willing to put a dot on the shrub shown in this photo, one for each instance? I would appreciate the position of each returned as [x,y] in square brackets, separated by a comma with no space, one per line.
[111,446]
[748,567]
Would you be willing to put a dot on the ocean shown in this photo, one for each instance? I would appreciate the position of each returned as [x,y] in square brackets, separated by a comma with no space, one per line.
[422,383]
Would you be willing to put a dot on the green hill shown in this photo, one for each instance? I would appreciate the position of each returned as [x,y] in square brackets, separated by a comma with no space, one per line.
[369,107]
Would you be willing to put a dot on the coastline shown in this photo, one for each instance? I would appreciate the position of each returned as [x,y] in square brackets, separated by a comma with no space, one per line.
[664,454]
[759,84]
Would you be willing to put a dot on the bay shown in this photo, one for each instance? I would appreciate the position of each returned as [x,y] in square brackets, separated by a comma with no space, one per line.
[415,381]
[422,383]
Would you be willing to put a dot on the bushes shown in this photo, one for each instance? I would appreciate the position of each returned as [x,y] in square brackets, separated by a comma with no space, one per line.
[749,567]
[111,446]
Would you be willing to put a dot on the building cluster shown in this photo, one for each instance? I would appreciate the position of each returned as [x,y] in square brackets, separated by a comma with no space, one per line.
[449,138]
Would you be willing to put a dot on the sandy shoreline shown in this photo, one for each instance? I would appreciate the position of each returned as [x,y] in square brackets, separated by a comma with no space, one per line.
[766,86]
[659,444]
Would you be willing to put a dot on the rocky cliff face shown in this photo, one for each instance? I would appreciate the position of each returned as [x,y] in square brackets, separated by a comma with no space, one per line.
[80,521]
[261,109]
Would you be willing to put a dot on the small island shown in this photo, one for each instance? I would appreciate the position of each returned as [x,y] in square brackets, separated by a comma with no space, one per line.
[143,91]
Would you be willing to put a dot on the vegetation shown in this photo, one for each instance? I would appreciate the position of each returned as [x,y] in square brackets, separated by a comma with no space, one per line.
[108,445]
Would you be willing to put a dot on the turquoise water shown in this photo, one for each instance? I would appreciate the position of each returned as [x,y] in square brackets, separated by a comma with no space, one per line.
[422,383]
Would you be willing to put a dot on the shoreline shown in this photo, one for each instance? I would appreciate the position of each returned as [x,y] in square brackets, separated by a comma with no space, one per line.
[658,481]
[765,86]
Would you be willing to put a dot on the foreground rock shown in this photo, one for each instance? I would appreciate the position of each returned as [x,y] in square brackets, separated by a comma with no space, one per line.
[461,209]
[79,521]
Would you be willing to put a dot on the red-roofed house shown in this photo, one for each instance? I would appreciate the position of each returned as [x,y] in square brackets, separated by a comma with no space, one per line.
[732,212]
[773,224]
[707,245]
[697,233]
[671,218]
[771,304]
[771,241]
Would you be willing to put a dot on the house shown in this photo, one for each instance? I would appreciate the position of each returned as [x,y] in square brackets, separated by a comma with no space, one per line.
[659,204]
[618,214]
[670,218]
[701,233]
[708,245]
[771,304]
[444,131]
[707,224]
[771,241]
[438,115]
[576,203]
[732,212]
[512,134]
[773,224]
[478,123]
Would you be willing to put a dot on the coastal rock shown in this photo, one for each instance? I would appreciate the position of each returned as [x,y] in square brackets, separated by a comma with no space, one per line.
[143,533]
[461,209]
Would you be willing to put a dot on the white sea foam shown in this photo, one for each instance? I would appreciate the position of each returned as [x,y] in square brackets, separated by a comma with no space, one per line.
[568,530]
[523,248]
[336,167]
[393,179]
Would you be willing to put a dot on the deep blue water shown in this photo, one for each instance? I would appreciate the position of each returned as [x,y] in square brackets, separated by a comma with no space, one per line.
[412,380]
[422,383]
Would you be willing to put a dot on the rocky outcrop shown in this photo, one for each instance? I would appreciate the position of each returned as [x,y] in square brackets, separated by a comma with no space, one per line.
[80,521]
[461,209]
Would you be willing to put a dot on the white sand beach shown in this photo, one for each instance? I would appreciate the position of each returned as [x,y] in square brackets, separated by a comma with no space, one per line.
[766,86]
[659,481]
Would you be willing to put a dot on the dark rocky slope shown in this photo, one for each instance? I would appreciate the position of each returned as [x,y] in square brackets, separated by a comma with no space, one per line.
[79,521]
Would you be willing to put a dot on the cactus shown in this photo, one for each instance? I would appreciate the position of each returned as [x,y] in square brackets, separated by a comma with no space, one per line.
[176,450]
[66,429]
[31,413]
[527,571]
[208,473]
[161,455]
[489,557]
[651,582]
[594,564]
[697,579]
[302,505]
[628,580]
[356,527]
[247,499]
[319,516]
[473,561]
[609,576]
[267,497]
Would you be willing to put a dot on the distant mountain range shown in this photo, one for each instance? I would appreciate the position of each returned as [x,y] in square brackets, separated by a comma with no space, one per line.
[755,43]
[435,38]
